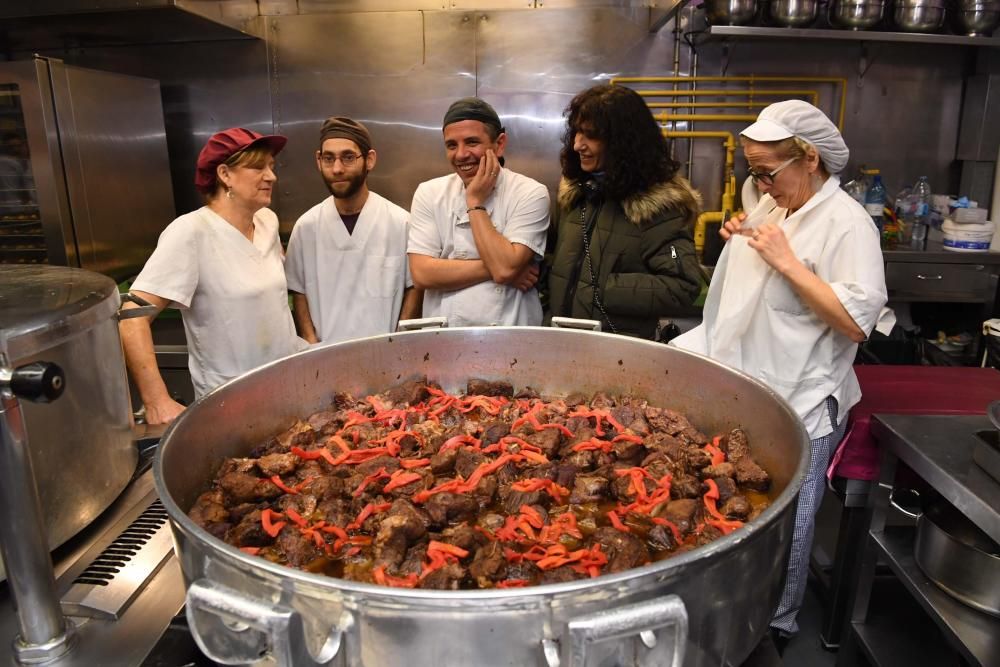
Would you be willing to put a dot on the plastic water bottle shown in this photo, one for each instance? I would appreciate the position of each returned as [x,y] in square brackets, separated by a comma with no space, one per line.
[922,191]
[875,201]
[857,187]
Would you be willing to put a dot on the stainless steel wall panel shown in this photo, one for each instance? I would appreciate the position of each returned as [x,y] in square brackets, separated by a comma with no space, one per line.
[397,72]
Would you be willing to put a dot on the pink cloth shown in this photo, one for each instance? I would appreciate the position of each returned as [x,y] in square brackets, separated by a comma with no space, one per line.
[908,390]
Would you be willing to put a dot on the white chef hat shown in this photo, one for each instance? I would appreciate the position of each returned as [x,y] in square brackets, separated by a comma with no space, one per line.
[796,118]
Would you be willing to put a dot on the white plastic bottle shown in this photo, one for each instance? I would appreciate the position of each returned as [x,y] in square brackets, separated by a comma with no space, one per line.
[922,190]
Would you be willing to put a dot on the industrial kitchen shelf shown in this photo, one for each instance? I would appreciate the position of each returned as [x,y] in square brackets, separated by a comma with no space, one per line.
[897,633]
[974,634]
[744,31]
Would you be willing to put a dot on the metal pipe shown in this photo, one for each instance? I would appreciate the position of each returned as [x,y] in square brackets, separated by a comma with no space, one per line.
[723,92]
[692,73]
[667,117]
[44,632]
[753,78]
[706,105]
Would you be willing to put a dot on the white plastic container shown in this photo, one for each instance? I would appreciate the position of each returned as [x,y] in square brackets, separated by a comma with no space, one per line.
[967,237]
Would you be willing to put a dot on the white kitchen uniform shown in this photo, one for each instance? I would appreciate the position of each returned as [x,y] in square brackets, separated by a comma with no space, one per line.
[439,227]
[354,282]
[231,293]
[755,322]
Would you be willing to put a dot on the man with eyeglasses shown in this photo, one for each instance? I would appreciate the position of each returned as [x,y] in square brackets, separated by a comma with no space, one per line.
[476,235]
[346,265]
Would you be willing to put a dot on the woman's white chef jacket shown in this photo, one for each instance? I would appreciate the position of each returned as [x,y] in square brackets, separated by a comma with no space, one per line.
[231,293]
[778,339]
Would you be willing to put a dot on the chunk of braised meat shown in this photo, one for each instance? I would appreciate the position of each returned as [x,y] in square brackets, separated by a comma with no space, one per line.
[323,486]
[404,507]
[624,550]
[486,491]
[666,444]
[249,532]
[300,434]
[463,536]
[735,444]
[693,436]
[577,398]
[685,486]
[443,463]
[727,488]
[390,463]
[396,534]
[697,458]
[588,489]
[661,538]
[549,440]
[236,465]
[563,474]
[493,431]
[682,513]
[325,422]
[278,464]
[632,418]
[488,565]
[725,469]
[622,487]
[297,548]
[665,420]
[269,446]
[209,508]
[585,460]
[491,521]
[523,570]
[707,535]
[244,488]
[413,562]
[526,392]
[601,401]
[507,474]
[468,460]
[408,393]
[480,387]
[304,504]
[445,508]
[237,513]
[751,475]
[512,500]
[559,575]
[336,511]
[628,452]
[736,507]
[447,578]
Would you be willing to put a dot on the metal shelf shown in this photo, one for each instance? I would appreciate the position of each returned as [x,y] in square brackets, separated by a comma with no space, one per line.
[743,31]
[975,635]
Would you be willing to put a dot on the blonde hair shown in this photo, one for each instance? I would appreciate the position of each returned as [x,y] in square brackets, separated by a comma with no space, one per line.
[254,157]
[792,147]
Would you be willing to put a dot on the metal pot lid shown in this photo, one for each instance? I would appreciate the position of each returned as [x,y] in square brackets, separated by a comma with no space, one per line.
[41,306]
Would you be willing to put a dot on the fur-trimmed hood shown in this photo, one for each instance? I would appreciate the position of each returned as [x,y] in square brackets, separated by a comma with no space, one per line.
[640,207]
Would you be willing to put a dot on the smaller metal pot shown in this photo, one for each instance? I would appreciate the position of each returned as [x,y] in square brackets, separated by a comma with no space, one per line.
[975,17]
[793,13]
[918,15]
[959,557]
[730,12]
[856,14]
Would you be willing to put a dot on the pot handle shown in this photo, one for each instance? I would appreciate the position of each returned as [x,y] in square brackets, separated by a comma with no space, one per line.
[145,308]
[231,629]
[667,614]
[907,512]
[575,323]
[422,323]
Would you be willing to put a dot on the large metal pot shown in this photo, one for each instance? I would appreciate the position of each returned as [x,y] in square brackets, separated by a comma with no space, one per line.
[713,603]
[856,14]
[793,13]
[975,17]
[730,12]
[82,449]
[918,15]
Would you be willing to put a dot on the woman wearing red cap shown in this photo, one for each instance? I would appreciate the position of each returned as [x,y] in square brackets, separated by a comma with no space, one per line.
[222,266]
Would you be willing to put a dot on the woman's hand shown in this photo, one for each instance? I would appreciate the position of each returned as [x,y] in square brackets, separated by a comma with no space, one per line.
[771,244]
[733,226]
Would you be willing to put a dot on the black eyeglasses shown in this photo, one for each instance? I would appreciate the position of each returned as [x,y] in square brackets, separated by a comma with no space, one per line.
[768,177]
[346,159]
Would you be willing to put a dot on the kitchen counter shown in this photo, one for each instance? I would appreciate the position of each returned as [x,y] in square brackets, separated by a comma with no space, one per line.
[936,253]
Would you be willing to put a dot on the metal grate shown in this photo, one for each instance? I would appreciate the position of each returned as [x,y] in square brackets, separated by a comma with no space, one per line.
[121,571]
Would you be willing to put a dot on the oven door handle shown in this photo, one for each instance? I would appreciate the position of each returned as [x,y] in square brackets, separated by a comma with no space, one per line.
[233,629]
[661,626]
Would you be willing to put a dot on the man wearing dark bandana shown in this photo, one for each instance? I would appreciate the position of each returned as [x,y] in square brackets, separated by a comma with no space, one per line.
[476,235]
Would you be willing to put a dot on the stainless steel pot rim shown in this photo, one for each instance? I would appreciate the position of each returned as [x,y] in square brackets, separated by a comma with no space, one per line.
[724,544]
[944,532]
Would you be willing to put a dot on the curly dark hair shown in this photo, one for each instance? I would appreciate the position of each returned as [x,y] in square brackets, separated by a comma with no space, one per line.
[636,155]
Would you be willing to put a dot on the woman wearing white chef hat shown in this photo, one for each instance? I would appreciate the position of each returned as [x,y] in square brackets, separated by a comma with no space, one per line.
[799,284]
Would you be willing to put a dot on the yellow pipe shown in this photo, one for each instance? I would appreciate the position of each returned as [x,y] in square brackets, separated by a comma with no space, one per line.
[730,93]
[753,78]
[702,225]
[669,117]
[728,178]
[706,105]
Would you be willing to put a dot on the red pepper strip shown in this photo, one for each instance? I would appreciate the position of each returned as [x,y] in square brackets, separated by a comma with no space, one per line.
[564,524]
[532,516]
[366,512]
[335,530]
[591,561]
[513,583]
[454,486]
[375,476]
[592,444]
[512,556]
[401,478]
[409,464]
[276,480]
[376,403]
[627,437]
[487,534]
[598,415]
[296,518]
[380,577]
[301,485]
[341,444]
[446,548]
[508,531]
[318,539]
[253,551]
[352,551]
[321,453]
[356,456]
[359,540]
[268,525]
[457,441]
[353,419]
[617,522]
[717,455]
[660,495]
[534,456]
[486,469]
[716,440]
[489,404]
[717,520]
[537,484]
[537,553]
[671,525]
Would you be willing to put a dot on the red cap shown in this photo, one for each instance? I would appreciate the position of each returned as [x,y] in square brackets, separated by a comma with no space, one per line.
[223,145]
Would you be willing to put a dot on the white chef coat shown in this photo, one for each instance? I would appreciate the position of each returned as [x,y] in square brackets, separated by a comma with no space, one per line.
[439,227]
[231,293]
[782,342]
[354,282]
